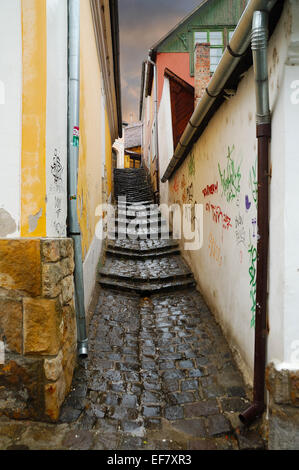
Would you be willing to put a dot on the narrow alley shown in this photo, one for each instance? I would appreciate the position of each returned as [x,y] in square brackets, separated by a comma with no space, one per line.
[159,374]
[149,262]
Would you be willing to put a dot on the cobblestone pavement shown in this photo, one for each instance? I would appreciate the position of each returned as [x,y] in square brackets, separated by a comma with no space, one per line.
[148,269]
[159,376]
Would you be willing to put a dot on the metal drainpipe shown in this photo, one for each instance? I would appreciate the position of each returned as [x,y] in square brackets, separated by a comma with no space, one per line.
[157,137]
[73,158]
[259,51]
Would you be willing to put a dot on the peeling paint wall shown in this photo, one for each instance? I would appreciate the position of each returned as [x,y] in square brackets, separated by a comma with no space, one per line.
[93,151]
[33,162]
[10,116]
[221,174]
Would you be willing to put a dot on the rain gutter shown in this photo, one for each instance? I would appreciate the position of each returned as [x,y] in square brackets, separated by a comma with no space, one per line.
[231,57]
[114,18]
[259,45]
[74,231]
[142,90]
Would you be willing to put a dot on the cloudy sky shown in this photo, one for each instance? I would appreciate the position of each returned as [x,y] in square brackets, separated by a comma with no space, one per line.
[142,23]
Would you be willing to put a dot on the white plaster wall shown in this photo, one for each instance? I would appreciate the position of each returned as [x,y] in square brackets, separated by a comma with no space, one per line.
[10,116]
[90,265]
[165,136]
[224,267]
[291,333]
[283,347]
[56,130]
[119,147]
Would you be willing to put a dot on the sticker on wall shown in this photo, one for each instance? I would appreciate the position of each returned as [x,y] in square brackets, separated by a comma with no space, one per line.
[56,168]
[76,136]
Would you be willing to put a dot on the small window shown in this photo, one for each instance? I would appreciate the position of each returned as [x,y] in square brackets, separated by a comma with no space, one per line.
[201,37]
[215,56]
[215,39]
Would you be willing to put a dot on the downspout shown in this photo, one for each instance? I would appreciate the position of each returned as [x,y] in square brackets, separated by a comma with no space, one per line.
[259,41]
[73,159]
[156,136]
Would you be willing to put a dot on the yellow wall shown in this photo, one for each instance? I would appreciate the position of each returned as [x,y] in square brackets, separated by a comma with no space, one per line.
[108,144]
[33,162]
[127,159]
[91,123]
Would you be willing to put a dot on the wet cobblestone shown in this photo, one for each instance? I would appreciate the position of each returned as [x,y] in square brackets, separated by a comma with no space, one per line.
[149,269]
[146,385]
[159,375]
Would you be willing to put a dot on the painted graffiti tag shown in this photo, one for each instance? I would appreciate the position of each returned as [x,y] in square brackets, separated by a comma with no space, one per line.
[230,177]
[210,189]
[253,182]
[58,209]
[240,230]
[218,215]
[56,168]
[176,186]
[215,251]
[190,193]
[247,203]
[252,275]
[253,221]
[58,228]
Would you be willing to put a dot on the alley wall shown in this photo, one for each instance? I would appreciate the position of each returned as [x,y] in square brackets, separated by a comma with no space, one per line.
[220,173]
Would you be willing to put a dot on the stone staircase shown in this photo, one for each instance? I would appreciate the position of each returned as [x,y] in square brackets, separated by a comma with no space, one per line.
[141,256]
[133,184]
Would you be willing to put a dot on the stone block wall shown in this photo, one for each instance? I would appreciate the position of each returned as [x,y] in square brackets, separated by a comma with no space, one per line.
[283,419]
[37,326]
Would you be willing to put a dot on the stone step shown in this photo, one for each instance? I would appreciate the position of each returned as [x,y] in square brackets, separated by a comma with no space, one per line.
[138,214]
[140,234]
[106,274]
[138,222]
[147,288]
[134,205]
[137,246]
[136,210]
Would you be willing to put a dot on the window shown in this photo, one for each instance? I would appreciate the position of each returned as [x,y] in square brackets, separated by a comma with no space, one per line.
[215,39]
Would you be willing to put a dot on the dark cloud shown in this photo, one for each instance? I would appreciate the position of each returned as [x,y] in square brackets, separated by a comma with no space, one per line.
[142,24]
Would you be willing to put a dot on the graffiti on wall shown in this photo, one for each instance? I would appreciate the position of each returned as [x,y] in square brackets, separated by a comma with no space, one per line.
[219,216]
[210,189]
[230,177]
[190,192]
[176,185]
[215,250]
[253,221]
[240,230]
[56,168]
[253,182]
[252,276]
[247,203]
